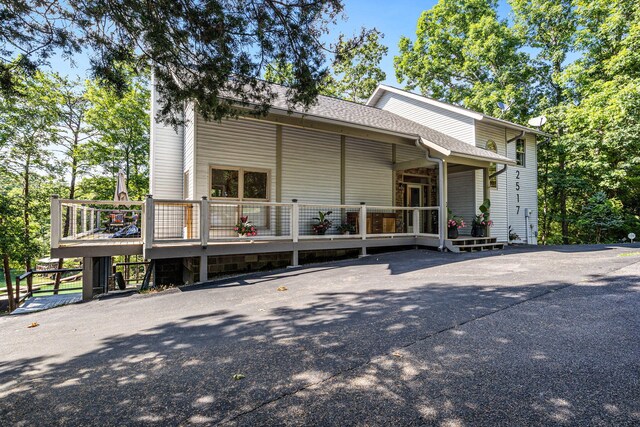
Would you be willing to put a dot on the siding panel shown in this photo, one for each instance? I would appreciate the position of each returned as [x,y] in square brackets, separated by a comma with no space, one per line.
[310,166]
[528,180]
[447,122]
[243,143]
[461,197]
[368,173]
[166,153]
[484,133]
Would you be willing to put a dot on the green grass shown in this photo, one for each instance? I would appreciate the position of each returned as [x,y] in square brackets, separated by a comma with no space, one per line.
[14,273]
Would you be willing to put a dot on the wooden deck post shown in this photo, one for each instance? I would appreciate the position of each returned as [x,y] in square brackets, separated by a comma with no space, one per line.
[363,228]
[295,231]
[56,221]
[204,222]
[148,224]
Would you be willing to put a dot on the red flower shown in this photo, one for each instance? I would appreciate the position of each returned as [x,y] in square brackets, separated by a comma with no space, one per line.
[244,218]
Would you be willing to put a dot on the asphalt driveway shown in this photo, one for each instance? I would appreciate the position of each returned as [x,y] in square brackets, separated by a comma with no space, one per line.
[524,337]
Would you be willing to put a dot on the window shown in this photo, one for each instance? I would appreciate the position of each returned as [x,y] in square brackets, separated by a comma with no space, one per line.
[239,183]
[521,153]
[224,183]
[493,179]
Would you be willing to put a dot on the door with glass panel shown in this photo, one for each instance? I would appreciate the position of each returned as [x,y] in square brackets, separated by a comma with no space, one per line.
[414,199]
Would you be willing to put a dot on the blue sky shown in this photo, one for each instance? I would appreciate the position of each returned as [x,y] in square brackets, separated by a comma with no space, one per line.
[393,18]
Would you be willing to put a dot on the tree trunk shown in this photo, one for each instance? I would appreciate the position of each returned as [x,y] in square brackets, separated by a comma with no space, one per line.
[7,279]
[27,234]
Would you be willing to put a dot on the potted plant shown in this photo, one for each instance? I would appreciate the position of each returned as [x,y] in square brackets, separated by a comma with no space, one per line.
[513,236]
[245,228]
[322,223]
[481,221]
[346,228]
[454,224]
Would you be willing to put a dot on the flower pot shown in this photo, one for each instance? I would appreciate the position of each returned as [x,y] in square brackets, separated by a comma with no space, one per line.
[320,232]
[453,233]
[478,231]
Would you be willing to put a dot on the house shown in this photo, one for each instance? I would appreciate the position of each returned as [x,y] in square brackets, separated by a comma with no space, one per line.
[387,170]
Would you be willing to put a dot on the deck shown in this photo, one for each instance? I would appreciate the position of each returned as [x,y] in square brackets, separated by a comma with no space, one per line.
[188,228]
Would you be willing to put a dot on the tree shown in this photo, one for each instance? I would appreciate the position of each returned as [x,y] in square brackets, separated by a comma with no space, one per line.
[550,28]
[600,215]
[28,128]
[355,71]
[356,68]
[10,238]
[120,123]
[200,51]
[463,54]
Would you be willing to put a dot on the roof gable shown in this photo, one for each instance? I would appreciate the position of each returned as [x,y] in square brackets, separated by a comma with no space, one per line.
[381,89]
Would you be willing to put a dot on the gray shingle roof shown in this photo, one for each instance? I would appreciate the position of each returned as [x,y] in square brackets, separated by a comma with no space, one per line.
[373,117]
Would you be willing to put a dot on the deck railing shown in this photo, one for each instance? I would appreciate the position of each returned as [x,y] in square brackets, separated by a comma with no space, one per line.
[79,221]
[207,221]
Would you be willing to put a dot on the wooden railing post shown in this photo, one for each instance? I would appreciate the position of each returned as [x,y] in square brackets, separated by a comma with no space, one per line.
[17,300]
[84,219]
[204,222]
[363,221]
[416,222]
[295,220]
[363,228]
[295,231]
[56,221]
[148,224]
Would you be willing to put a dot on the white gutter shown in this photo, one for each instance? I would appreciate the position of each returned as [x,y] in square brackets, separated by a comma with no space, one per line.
[442,217]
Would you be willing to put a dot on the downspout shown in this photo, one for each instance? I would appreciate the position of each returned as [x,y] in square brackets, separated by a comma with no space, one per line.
[442,229]
[520,135]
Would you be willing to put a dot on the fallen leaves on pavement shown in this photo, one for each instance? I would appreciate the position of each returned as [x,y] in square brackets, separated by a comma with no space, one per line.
[282,289]
[33,325]
[238,377]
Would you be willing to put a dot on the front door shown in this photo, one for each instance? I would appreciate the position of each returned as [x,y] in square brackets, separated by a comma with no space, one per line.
[414,200]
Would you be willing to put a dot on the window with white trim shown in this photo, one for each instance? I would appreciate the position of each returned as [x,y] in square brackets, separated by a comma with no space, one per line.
[521,153]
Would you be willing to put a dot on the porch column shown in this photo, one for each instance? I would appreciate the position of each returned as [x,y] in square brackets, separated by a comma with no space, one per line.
[486,191]
[444,200]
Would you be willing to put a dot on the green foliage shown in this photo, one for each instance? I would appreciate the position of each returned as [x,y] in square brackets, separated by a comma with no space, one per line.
[201,51]
[355,70]
[600,216]
[120,123]
[80,122]
[463,54]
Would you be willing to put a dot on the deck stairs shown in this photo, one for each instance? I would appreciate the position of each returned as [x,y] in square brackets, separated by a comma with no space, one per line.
[473,244]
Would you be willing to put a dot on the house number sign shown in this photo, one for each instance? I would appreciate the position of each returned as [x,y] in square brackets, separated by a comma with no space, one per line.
[517,181]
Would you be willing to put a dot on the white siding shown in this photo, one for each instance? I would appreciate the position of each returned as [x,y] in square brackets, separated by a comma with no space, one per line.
[528,180]
[498,197]
[368,173]
[445,121]
[166,151]
[243,143]
[461,197]
[189,147]
[310,166]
